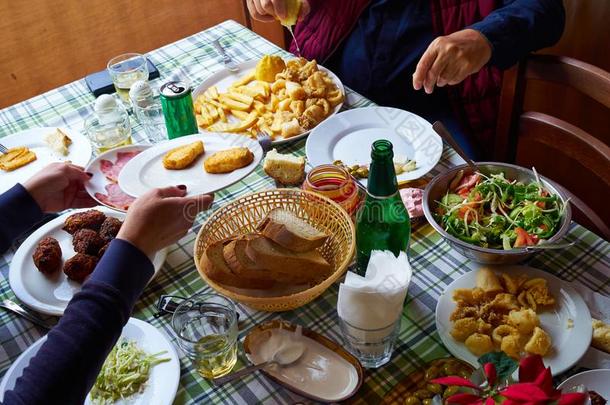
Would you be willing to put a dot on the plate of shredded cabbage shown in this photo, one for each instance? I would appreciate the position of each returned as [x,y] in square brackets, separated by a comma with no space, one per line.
[142,368]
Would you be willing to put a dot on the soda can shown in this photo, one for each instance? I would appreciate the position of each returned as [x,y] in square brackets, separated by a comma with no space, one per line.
[177,104]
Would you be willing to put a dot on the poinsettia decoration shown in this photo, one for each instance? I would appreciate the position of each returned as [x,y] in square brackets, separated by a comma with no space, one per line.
[535,385]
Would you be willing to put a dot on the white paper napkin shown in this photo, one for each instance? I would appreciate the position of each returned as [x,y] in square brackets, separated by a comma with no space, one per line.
[376,300]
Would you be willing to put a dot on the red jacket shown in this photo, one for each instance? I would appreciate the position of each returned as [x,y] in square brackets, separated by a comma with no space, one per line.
[475,100]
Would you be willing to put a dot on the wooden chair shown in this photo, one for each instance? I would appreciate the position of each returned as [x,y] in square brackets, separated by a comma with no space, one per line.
[567,154]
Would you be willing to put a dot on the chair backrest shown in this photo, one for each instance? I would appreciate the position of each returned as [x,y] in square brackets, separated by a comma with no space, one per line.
[569,155]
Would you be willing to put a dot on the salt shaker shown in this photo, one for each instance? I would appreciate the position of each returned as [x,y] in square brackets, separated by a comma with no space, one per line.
[148,111]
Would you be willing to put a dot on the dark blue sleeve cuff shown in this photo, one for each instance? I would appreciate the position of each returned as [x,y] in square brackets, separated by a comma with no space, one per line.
[18,212]
[125,268]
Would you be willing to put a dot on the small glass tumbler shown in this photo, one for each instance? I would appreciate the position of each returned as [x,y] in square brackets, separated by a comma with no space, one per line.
[125,70]
[373,347]
[152,120]
[335,183]
[206,329]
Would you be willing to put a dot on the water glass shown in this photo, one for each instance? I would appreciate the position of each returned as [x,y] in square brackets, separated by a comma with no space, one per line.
[125,70]
[373,347]
[153,122]
[206,329]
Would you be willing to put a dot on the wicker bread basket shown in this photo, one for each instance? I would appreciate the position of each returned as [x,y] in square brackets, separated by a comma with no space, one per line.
[243,215]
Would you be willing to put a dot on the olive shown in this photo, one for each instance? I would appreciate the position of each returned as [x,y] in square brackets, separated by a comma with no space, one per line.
[423,394]
[449,369]
[411,400]
[432,373]
[434,388]
[451,390]
[363,172]
[355,167]
[338,163]
[427,402]
[464,373]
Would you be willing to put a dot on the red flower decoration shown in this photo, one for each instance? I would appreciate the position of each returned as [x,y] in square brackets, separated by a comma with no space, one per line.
[454,380]
[490,373]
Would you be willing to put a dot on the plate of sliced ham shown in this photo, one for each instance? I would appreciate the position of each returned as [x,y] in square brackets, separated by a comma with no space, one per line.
[104,186]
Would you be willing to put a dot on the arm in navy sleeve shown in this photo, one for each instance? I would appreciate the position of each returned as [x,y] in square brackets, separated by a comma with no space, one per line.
[520,27]
[18,212]
[67,364]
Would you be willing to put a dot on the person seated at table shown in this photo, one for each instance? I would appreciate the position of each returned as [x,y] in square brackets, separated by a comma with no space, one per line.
[67,364]
[387,50]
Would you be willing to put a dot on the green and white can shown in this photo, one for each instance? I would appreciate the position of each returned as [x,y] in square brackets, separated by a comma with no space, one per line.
[178,110]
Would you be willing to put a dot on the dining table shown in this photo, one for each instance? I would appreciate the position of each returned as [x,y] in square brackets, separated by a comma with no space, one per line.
[435,264]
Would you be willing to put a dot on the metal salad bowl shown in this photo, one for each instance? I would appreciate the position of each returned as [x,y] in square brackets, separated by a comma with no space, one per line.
[439,185]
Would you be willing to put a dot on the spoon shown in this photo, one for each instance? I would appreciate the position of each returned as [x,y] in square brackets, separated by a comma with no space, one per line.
[285,356]
[549,246]
[440,129]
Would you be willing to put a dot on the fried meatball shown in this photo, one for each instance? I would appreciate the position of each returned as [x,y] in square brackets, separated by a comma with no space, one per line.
[103,250]
[110,228]
[91,219]
[47,255]
[87,241]
[78,267]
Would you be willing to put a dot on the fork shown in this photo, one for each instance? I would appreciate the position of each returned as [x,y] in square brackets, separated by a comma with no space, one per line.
[264,140]
[3,149]
[19,310]
[226,59]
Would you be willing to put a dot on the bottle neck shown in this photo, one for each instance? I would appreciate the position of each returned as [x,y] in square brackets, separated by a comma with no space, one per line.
[382,181]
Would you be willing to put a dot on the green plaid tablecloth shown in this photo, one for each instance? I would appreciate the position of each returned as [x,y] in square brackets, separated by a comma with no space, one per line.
[434,263]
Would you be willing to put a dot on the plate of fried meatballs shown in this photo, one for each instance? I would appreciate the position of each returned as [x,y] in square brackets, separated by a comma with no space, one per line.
[54,261]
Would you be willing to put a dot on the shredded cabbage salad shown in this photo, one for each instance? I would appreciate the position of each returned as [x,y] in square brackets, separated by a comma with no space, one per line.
[124,373]
[494,212]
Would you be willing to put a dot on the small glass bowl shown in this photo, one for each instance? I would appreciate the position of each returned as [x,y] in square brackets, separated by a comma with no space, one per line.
[335,183]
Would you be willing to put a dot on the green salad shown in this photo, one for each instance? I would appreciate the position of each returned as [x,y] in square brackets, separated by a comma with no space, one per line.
[494,212]
[124,373]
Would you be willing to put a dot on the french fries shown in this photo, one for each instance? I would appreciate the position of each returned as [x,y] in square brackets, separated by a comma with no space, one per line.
[299,99]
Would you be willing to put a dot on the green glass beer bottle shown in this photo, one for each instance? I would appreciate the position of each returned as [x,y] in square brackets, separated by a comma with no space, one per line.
[382,222]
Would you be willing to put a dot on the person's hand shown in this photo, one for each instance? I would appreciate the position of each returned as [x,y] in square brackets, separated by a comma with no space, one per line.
[60,186]
[450,59]
[271,10]
[161,217]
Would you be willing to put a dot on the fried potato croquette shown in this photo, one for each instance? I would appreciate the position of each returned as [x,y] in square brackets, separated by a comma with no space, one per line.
[524,320]
[479,344]
[228,160]
[16,158]
[183,156]
[539,343]
[47,256]
[91,219]
[462,328]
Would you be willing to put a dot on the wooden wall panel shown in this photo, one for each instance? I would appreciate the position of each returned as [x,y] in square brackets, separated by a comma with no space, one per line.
[44,44]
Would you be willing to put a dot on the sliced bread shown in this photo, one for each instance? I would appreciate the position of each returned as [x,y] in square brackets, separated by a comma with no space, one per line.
[215,267]
[294,267]
[286,229]
[288,170]
[235,255]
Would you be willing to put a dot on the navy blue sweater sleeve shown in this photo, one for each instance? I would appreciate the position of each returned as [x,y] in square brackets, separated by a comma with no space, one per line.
[65,368]
[18,212]
[520,27]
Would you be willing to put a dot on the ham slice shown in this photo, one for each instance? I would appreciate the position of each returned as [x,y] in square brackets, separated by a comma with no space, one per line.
[116,197]
[112,170]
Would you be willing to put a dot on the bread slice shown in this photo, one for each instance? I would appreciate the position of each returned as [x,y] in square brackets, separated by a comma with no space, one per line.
[288,170]
[291,232]
[293,267]
[215,267]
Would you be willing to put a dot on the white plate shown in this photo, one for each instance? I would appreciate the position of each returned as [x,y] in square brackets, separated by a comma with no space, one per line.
[79,153]
[97,183]
[146,171]
[225,78]
[594,380]
[569,344]
[164,377]
[348,137]
[50,295]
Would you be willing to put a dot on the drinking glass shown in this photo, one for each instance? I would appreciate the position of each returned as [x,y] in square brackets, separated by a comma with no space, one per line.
[152,119]
[125,70]
[335,183]
[373,347]
[206,328]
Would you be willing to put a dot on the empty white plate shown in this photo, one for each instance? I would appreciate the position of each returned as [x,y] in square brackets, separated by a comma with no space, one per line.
[79,153]
[50,295]
[145,171]
[164,377]
[570,342]
[225,78]
[348,137]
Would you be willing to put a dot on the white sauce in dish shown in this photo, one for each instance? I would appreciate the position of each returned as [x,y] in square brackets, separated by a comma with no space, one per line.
[319,371]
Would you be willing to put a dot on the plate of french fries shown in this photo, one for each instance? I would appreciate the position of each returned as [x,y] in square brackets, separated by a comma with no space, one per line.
[519,310]
[285,99]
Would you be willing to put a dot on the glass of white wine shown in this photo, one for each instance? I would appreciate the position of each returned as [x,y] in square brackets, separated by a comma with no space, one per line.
[206,328]
[125,70]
